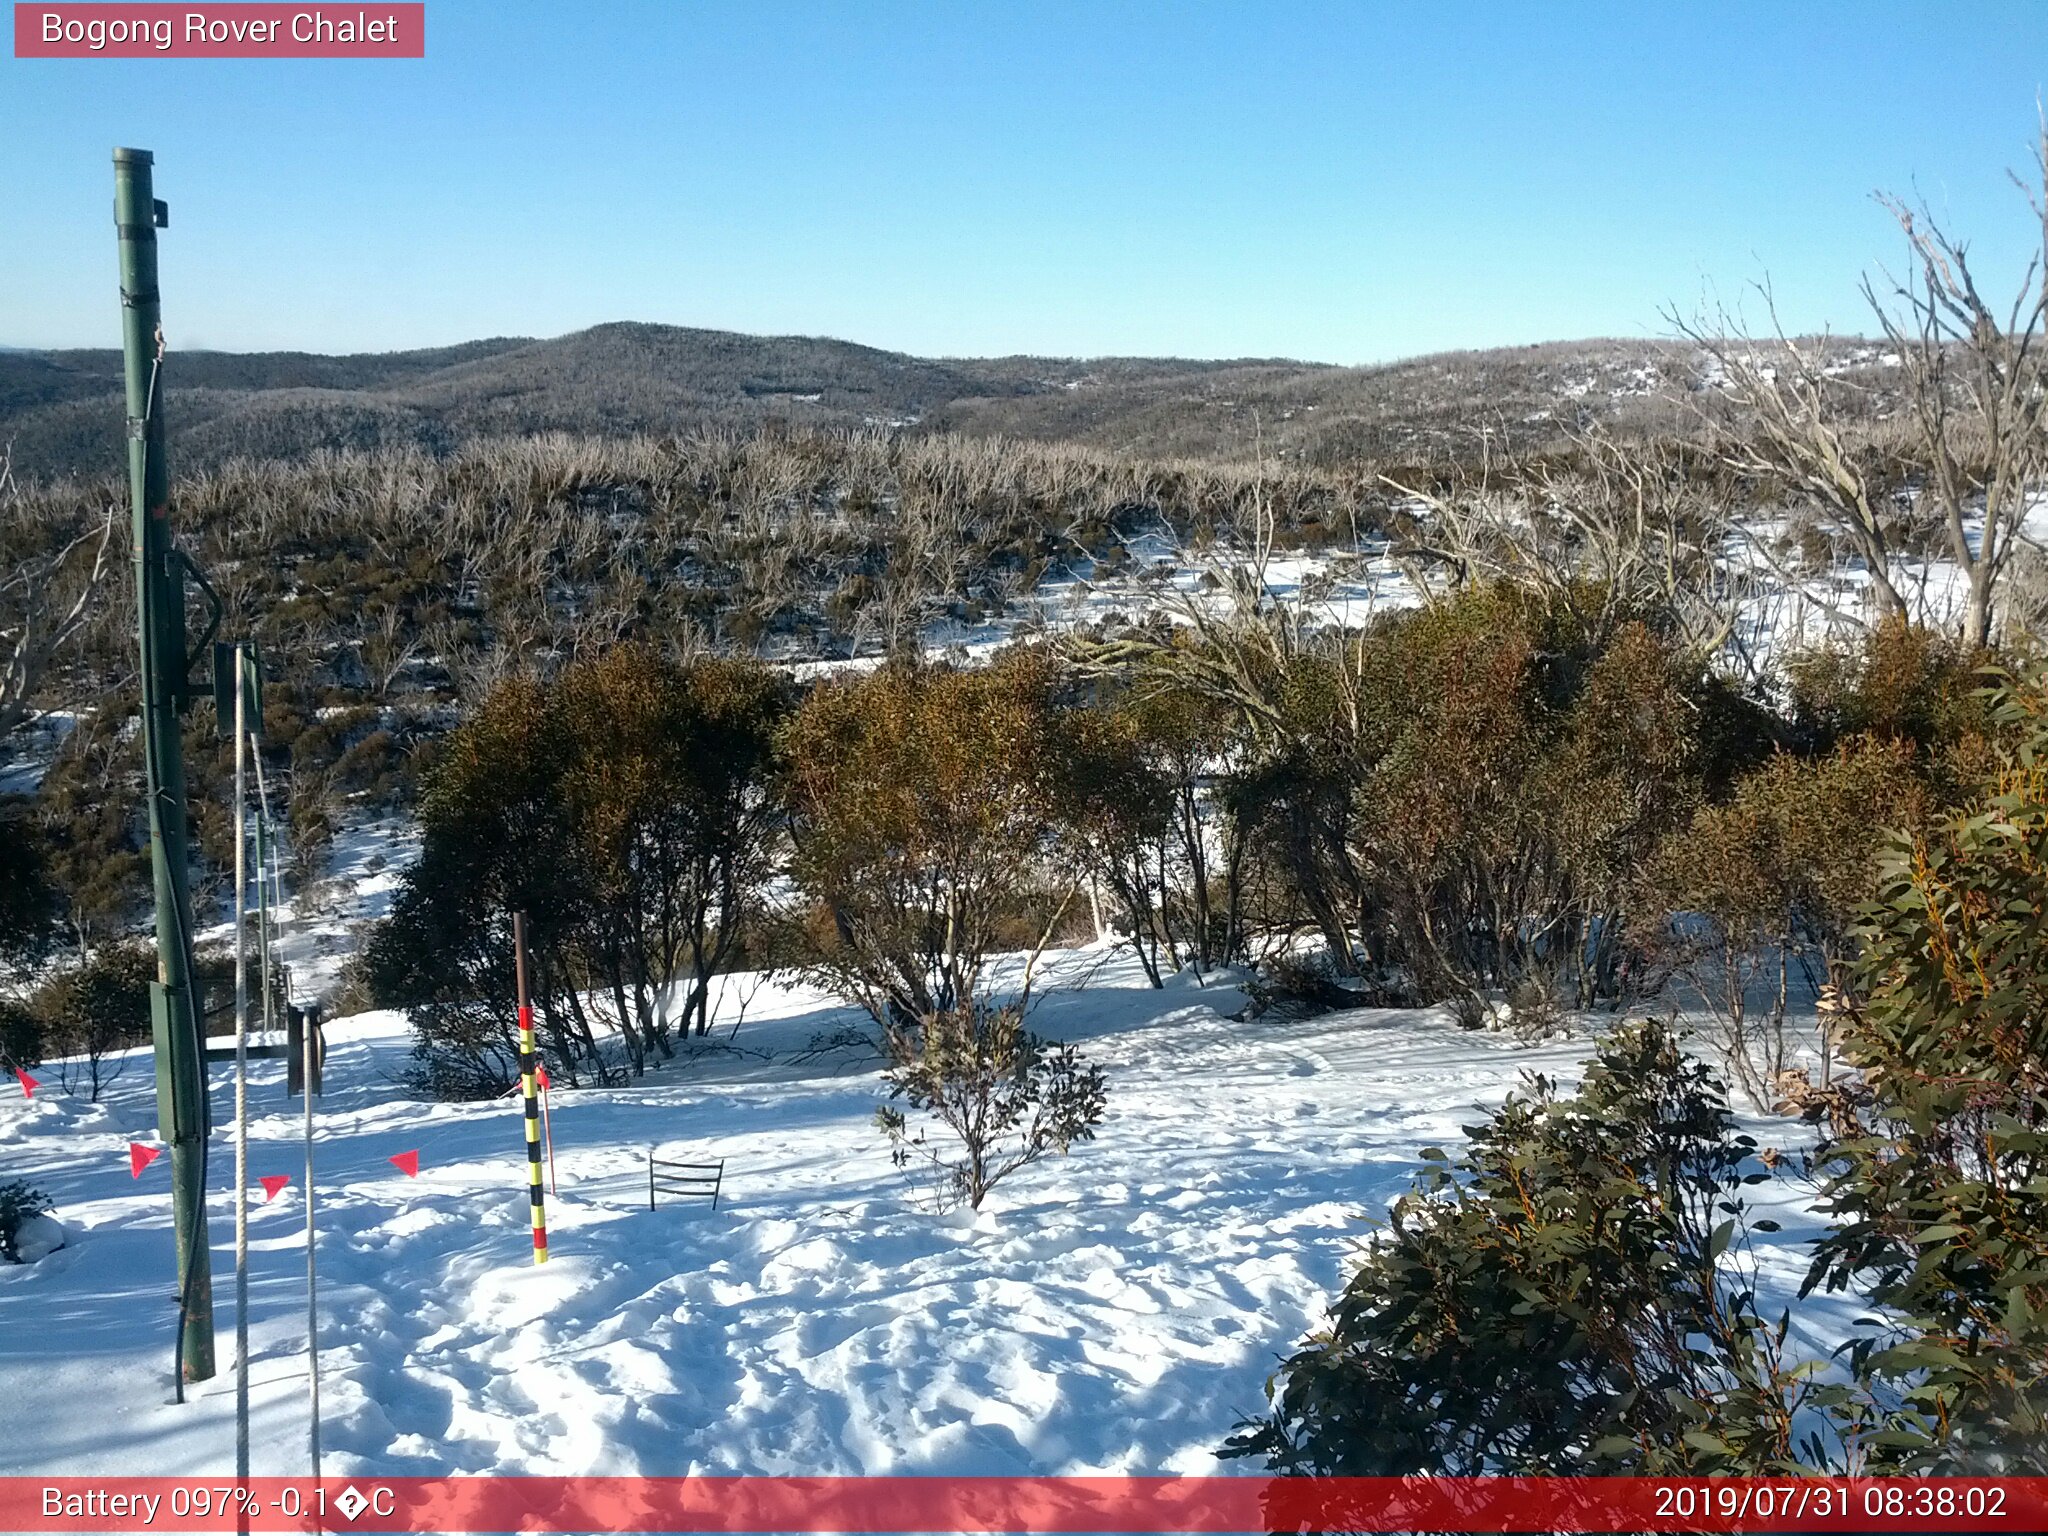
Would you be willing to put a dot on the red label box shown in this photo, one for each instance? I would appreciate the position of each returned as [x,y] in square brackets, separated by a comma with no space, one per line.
[104,30]
[1197,1506]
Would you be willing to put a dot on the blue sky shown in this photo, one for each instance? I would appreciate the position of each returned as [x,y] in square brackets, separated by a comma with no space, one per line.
[1345,183]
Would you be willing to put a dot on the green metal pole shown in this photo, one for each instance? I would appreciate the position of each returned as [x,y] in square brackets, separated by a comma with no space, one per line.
[160,599]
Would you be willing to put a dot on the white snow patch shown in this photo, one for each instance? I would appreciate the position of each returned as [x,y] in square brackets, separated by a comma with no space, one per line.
[1114,1311]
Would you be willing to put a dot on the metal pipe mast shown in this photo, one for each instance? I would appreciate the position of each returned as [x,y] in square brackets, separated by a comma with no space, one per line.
[165,668]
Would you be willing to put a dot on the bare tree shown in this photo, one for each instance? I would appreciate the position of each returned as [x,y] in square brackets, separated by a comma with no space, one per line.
[35,618]
[1784,423]
[387,649]
[1619,529]
[1978,394]
[1975,444]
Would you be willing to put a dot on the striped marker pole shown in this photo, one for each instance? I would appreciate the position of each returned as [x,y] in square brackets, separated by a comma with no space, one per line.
[528,1065]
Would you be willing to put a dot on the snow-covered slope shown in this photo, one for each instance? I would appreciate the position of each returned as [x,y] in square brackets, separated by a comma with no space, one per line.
[1113,1311]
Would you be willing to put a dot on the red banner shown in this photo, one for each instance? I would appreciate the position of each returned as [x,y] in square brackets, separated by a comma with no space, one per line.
[121,31]
[1207,1505]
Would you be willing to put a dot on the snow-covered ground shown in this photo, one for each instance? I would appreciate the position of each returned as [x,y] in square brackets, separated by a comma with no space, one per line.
[1117,1310]
[320,929]
[1335,585]
[28,752]
[1779,610]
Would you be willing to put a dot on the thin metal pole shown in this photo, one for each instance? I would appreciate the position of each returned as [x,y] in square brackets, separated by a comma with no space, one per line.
[279,975]
[547,1125]
[263,857]
[241,1087]
[529,1063]
[269,895]
[309,1035]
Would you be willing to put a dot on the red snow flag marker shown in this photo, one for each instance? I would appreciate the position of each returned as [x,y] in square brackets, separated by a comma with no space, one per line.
[28,1084]
[407,1163]
[140,1156]
[273,1184]
[542,1074]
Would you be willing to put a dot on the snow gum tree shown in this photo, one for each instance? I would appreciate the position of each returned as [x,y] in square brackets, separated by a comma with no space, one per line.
[1966,453]
[1133,766]
[928,833]
[925,830]
[52,579]
[627,808]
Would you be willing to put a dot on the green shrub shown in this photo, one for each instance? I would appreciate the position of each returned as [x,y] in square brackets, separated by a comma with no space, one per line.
[95,1013]
[19,1204]
[625,807]
[21,1035]
[923,822]
[95,823]
[28,895]
[1939,1158]
[1764,888]
[1458,799]
[1572,1294]
[1902,683]
[1130,788]
[1006,1096]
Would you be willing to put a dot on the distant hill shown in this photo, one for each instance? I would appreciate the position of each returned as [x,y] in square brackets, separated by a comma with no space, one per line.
[63,410]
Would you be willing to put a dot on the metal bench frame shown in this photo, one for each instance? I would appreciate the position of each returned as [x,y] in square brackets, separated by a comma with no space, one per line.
[670,1177]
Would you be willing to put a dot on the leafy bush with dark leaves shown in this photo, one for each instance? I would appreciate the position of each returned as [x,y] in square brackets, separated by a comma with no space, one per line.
[1940,1158]
[19,1204]
[1572,1294]
[95,1013]
[21,1036]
